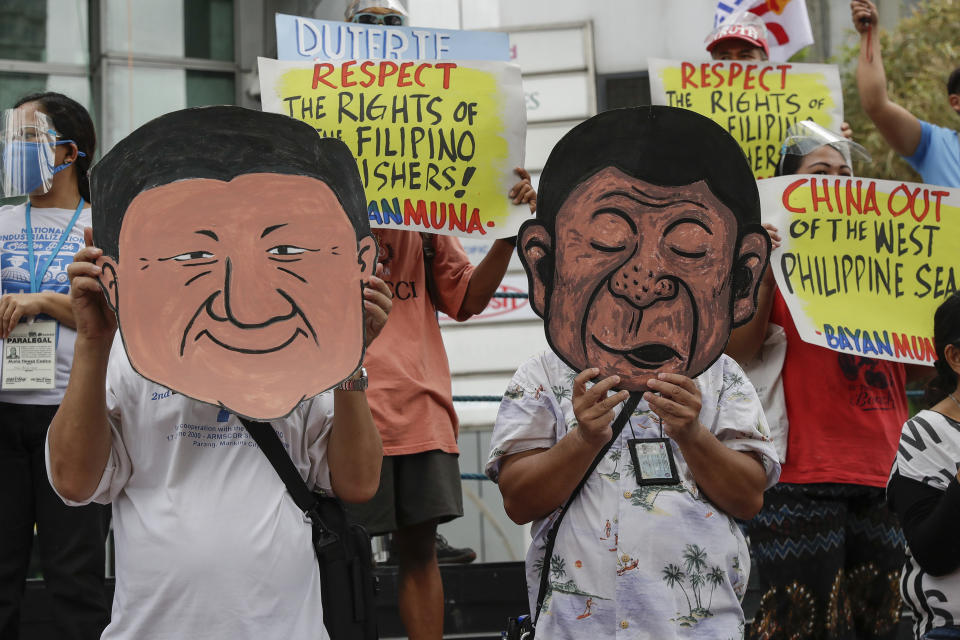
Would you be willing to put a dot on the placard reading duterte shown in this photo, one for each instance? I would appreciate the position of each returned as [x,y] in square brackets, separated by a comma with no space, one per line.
[310,39]
[436,142]
[864,263]
[754,101]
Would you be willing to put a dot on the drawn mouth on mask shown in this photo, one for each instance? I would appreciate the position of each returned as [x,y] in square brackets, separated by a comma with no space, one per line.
[219,343]
[649,356]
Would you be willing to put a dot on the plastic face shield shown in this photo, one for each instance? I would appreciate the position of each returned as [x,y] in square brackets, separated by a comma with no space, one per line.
[807,136]
[27,145]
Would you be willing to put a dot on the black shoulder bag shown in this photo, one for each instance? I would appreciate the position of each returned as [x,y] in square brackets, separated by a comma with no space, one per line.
[523,628]
[348,587]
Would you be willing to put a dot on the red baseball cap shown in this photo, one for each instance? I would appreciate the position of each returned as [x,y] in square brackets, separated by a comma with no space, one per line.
[749,28]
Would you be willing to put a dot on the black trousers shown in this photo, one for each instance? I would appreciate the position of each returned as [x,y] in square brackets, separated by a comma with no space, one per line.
[71,538]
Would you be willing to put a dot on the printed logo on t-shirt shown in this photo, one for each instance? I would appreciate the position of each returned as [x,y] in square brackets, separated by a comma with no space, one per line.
[403,289]
[873,389]
[14,259]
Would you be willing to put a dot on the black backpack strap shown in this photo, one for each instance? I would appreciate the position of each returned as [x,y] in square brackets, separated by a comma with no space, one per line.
[266,438]
[618,425]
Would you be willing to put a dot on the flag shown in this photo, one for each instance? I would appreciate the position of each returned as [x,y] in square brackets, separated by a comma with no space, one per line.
[787,22]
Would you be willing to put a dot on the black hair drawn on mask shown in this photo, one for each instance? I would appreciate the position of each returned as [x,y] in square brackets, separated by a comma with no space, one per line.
[218,143]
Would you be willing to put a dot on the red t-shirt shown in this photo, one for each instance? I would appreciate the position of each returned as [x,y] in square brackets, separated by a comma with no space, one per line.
[845,411]
[409,393]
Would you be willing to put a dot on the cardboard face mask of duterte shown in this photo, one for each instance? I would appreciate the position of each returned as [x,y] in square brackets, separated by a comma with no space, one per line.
[235,247]
[647,248]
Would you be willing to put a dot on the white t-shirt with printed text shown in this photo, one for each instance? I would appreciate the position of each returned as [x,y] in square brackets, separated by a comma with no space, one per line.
[209,544]
[48,225]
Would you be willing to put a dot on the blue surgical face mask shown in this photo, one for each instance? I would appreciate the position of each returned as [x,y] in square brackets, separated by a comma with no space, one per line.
[25,162]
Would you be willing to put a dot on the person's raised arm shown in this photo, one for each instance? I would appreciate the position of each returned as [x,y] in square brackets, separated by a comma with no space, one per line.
[79,436]
[489,273]
[746,340]
[534,483]
[355,451]
[900,128]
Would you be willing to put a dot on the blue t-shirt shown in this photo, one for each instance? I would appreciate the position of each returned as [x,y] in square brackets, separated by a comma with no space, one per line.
[937,157]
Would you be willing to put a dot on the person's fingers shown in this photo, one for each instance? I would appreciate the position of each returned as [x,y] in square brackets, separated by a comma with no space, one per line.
[680,380]
[665,408]
[8,315]
[15,317]
[605,419]
[88,236]
[526,195]
[516,192]
[82,270]
[580,382]
[378,300]
[376,315]
[375,283]
[84,285]
[87,254]
[598,392]
[606,405]
[523,173]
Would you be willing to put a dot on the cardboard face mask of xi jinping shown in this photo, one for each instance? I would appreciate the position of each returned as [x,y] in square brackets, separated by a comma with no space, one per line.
[647,248]
[235,247]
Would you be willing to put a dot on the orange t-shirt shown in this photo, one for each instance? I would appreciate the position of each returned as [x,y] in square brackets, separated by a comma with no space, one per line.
[409,392]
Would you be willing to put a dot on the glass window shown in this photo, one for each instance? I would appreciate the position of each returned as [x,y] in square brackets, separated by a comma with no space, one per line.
[171,28]
[208,29]
[14,86]
[209,87]
[134,97]
[44,30]
[151,28]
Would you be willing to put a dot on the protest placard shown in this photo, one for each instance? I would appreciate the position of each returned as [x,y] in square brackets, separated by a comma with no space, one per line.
[310,39]
[436,142]
[754,101]
[864,263]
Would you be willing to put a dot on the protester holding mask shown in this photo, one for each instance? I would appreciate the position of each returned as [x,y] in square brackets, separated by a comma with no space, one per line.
[925,494]
[826,547]
[48,142]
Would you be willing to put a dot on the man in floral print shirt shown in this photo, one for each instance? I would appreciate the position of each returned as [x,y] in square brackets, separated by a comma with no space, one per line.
[645,252]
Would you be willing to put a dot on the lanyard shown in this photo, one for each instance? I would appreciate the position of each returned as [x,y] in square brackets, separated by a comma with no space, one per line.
[36,279]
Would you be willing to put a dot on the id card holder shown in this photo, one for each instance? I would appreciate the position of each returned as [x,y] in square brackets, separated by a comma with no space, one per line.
[30,356]
[653,461]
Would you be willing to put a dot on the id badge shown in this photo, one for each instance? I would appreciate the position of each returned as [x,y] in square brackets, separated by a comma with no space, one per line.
[30,356]
[653,461]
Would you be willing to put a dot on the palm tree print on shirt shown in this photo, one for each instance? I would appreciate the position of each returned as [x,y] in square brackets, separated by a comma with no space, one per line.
[694,571]
[560,582]
[614,457]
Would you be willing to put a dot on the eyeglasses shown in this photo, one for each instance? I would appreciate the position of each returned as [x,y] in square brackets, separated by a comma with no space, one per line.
[389,19]
[34,134]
